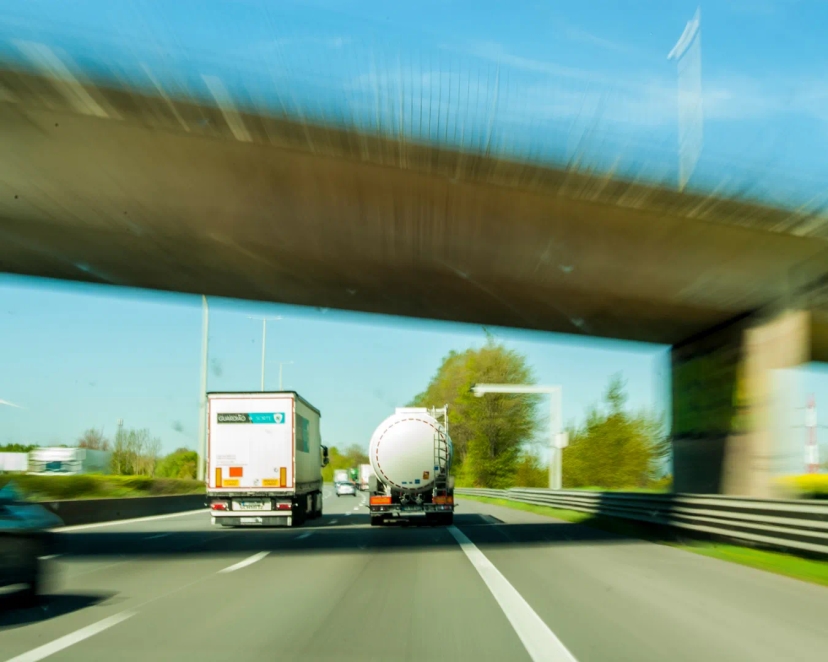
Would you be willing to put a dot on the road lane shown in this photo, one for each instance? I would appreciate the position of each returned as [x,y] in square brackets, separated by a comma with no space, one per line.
[333,603]
[340,589]
[106,569]
[613,598]
[315,598]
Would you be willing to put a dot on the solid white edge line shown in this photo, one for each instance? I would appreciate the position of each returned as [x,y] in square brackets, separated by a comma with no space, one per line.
[248,561]
[540,642]
[71,639]
[151,518]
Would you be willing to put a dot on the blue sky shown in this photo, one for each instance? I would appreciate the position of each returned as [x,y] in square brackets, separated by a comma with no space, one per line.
[547,80]
[80,356]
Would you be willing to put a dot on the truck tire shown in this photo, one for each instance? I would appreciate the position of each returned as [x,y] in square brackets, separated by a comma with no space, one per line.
[317,511]
[299,513]
[377,520]
[447,519]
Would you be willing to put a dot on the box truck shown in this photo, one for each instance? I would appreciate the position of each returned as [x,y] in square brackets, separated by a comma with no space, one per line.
[365,473]
[264,459]
[63,461]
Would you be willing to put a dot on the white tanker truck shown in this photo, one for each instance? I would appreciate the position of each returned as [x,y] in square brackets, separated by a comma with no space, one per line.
[410,454]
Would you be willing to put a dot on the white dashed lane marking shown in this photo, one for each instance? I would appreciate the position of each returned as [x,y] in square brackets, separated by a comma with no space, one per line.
[248,561]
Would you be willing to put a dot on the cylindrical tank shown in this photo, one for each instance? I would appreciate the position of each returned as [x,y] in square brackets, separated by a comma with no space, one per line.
[402,450]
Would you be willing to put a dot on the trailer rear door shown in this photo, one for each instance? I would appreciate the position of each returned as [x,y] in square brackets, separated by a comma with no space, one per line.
[250,442]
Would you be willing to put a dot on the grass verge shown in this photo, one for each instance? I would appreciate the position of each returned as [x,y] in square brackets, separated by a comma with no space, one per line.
[808,570]
[47,488]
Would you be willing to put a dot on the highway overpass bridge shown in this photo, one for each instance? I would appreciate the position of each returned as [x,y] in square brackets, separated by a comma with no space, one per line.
[109,184]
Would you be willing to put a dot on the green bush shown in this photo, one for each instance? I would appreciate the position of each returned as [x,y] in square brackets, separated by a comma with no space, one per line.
[663,484]
[47,488]
[138,483]
[530,472]
[168,486]
[181,463]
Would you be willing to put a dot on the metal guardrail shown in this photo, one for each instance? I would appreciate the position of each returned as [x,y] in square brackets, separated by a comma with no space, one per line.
[800,526]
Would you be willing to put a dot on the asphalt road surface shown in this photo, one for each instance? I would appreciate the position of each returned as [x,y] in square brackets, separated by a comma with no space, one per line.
[499,585]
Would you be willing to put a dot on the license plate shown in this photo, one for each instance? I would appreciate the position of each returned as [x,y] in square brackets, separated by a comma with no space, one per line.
[250,505]
[409,509]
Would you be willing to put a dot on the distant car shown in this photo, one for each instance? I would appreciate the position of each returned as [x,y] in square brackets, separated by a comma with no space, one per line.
[24,538]
[345,488]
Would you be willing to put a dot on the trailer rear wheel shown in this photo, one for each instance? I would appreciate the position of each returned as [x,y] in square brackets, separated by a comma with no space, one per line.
[317,500]
[299,513]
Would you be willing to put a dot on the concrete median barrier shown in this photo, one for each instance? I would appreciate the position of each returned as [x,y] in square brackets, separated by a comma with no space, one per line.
[93,511]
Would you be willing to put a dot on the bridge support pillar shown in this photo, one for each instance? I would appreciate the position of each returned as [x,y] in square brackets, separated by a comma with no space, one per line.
[723,401]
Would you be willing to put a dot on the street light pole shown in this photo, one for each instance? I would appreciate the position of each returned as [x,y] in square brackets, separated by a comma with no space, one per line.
[202,396]
[558,439]
[264,342]
[281,363]
[555,453]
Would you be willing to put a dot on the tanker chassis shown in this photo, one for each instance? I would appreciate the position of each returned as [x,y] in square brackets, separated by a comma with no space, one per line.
[411,456]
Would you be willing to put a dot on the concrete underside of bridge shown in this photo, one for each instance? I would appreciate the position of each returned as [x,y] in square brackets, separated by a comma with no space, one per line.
[106,185]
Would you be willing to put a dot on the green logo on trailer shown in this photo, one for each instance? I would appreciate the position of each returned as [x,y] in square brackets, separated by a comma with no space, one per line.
[273,418]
